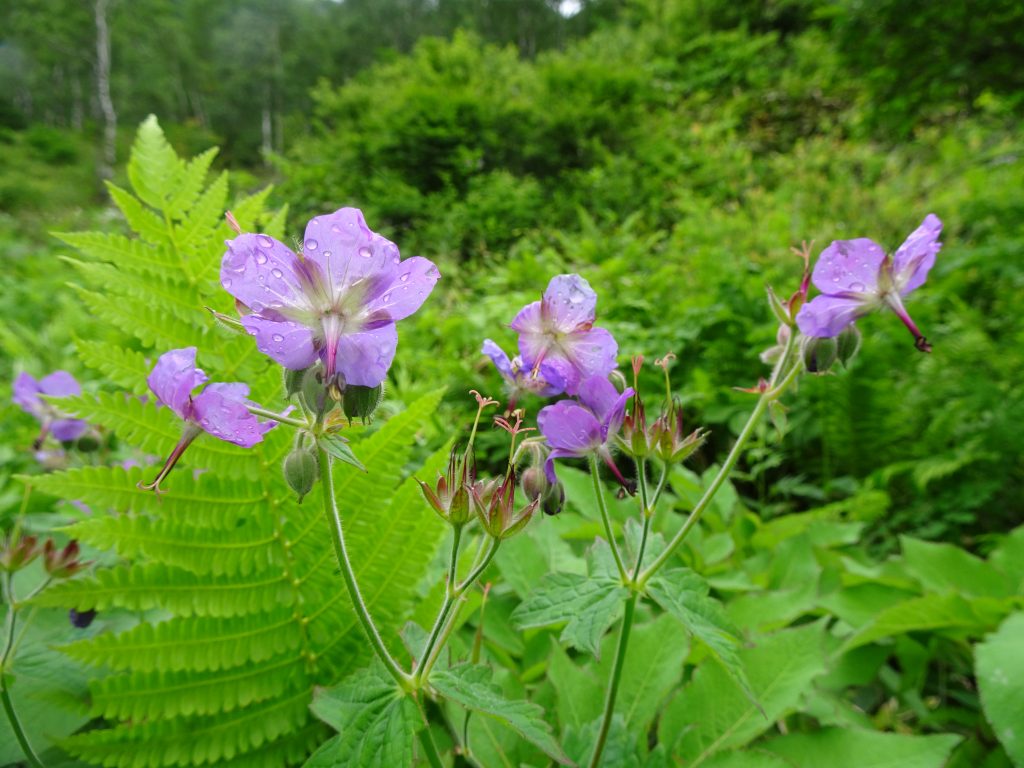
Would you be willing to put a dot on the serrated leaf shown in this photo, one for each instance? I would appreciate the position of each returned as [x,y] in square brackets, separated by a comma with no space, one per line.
[376,720]
[153,164]
[684,594]
[1000,671]
[588,605]
[471,687]
[338,448]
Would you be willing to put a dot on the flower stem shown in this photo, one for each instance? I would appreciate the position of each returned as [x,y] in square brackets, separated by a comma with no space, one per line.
[5,694]
[599,492]
[278,417]
[449,599]
[646,511]
[730,462]
[613,683]
[450,602]
[338,535]
[427,740]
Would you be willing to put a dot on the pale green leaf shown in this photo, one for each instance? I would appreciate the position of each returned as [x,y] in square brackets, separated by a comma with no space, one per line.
[847,748]
[1000,670]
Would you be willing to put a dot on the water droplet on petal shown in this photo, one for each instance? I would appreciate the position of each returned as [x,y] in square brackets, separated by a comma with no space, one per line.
[365,252]
[386,297]
[311,245]
[835,278]
[576,296]
[277,337]
[226,282]
[404,278]
[277,273]
[264,241]
[327,254]
[433,272]
[856,286]
[261,258]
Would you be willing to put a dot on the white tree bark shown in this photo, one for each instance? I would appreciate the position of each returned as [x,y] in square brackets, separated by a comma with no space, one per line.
[109,157]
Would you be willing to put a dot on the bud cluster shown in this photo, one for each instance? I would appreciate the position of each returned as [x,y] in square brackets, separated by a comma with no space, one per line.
[16,552]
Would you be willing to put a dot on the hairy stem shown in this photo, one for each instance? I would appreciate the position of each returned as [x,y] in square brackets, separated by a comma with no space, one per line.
[5,694]
[613,683]
[358,604]
[730,462]
[449,600]
[427,740]
[278,417]
[606,519]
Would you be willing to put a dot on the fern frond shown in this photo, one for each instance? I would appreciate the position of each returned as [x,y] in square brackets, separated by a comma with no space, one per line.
[207,212]
[155,585]
[196,644]
[124,367]
[189,184]
[153,165]
[142,220]
[145,321]
[131,255]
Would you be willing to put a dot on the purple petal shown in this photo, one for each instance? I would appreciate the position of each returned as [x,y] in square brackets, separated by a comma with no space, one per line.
[592,353]
[364,358]
[499,358]
[411,284]
[849,265]
[529,319]
[286,342]
[913,260]
[599,395]
[348,251]
[549,464]
[174,377]
[549,382]
[232,390]
[59,384]
[570,302]
[66,430]
[26,394]
[227,418]
[826,316]
[569,426]
[263,273]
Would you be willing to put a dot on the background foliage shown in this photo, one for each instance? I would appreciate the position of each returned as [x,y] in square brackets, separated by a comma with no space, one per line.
[672,152]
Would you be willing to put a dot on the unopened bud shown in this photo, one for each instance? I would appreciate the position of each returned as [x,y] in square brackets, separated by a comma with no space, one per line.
[293,381]
[15,554]
[848,344]
[361,402]
[301,470]
[61,563]
[553,500]
[819,354]
[533,482]
[779,308]
[313,390]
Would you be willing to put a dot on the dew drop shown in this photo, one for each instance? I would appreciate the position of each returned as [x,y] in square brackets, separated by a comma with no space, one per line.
[261,258]
[327,254]
[264,241]
[311,245]
[386,297]
[365,252]
[856,286]
[432,272]
[404,278]
[277,273]
[277,337]
[575,296]
[835,278]
[226,282]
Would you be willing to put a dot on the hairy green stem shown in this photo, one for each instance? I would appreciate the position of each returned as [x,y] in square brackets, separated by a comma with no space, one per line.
[606,519]
[449,601]
[278,417]
[427,740]
[730,462]
[358,604]
[613,683]
[424,670]
[5,694]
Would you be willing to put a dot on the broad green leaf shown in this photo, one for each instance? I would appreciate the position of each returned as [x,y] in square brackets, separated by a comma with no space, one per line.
[1008,557]
[945,568]
[338,447]
[471,687]
[847,748]
[684,595]
[712,713]
[587,604]
[620,750]
[1000,670]
[932,612]
[752,758]
[526,560]
[376,721]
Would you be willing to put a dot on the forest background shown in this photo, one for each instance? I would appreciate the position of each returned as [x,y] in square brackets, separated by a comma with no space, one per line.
[671,151]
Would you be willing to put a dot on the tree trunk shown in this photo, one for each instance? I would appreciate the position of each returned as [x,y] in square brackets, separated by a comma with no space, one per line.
[109,157]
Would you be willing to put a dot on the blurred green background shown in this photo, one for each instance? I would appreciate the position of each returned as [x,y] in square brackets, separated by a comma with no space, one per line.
[671,151]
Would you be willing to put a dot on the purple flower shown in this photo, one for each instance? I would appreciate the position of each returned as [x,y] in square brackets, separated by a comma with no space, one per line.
[337,300]
[58,384]
[559,331]
[220,409]
[519,380]
[857,277]
[576,429]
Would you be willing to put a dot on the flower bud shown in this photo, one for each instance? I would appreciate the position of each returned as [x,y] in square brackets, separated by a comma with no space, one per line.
[671,441]
[498,515]
[313,390]
[16,554]
[536,487]
[301,470]
[819,354]
[779,308]
[450,497]
[293,381]
[848,344]
[61,564]
[361,402]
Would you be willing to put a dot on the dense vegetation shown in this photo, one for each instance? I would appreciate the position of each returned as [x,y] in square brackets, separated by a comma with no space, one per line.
[670,151]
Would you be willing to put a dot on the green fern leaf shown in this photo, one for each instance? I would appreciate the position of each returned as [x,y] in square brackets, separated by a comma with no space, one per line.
[124,367]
